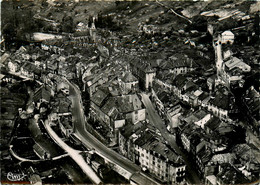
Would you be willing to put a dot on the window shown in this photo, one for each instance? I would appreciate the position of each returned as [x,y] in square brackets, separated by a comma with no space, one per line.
[142,155]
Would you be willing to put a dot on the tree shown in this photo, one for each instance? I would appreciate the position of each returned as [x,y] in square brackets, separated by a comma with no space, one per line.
[67,24]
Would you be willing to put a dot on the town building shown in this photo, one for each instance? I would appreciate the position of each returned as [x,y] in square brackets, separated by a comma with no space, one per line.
[66,126]
[116,110]
[227,37]
[178,63]
[30,70]
[251,102]
[129,83]
[143,72]
[230,70]
[127,136]
[228,174]
[222,103]
[41,152]
[43,94]
[14,66]
[158,159]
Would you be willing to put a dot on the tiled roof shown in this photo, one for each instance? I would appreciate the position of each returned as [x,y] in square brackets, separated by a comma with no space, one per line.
[151,143]
[128,77]
[230,175]
[128,103]
[213,123]
[179,80]
[31,68]
[99,96]
[130,128]
[178,60]
[141,64]
[44,92]
[144,139]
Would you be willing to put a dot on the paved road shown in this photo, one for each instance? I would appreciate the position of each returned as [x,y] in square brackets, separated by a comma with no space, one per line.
[74,154]
[101,149]
[156,120]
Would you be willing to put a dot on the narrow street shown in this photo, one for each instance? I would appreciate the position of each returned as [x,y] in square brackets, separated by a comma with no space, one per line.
[156,120]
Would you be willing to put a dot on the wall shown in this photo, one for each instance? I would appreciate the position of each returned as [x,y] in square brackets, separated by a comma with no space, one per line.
[138,115]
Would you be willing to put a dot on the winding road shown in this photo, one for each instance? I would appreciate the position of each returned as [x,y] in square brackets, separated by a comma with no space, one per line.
[74,154]
[90,141]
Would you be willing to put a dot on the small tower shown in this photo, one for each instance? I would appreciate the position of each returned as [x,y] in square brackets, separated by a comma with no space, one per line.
[218,55]
[93,33]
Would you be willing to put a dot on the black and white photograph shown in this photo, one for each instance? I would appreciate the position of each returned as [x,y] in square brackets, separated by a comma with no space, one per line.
[130,92]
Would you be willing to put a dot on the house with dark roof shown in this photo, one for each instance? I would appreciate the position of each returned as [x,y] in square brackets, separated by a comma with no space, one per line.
[61,103]
[129,83]
[212,125]
[126,137]
[43,94]
[178,63]
[116,110]
[40,151]
[251,102]
[97,78]
[143,71]
[153,155]
[66,125]
[202,158]
[228,174]
[163,79]
[188,135]
[97,101]
[30,70]
[248,160]
[222,103]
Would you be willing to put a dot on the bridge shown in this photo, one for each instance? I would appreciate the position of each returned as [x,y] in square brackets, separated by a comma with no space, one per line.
[74,154]
[22,159]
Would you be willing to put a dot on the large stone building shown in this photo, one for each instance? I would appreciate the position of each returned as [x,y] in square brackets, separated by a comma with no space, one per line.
[143,71]
[158,159]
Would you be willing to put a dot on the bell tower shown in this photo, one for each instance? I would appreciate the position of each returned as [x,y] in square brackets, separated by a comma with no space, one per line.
[218,56]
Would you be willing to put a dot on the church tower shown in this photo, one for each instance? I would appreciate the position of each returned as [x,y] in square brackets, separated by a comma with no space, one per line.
[218,56]
[93,33]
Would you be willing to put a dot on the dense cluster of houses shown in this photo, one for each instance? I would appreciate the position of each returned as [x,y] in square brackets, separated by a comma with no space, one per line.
[33,63]
[197,108]
[115,102]
[205,130]
[52,102]
[140,143]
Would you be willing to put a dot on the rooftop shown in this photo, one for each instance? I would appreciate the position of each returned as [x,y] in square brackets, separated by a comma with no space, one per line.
[99,97]
[229,175]
[213,123]
[128,77]
[129,129]
[153,144]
